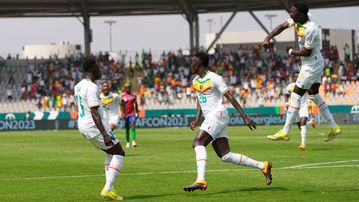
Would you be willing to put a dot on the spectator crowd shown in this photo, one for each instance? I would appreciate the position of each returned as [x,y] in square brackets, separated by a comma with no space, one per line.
[250,71]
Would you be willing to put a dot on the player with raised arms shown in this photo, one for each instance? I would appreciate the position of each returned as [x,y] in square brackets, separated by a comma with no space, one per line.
[94,128]
[111,103]
[309,78]
[210,89]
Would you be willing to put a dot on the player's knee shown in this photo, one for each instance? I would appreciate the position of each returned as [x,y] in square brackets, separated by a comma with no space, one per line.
[196,143]
[299,91]
[312,92]
[303,122]
[121,152]
[314,89]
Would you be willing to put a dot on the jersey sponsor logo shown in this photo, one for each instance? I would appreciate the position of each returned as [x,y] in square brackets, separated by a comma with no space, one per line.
[299,29]
[126,97]
[203,86]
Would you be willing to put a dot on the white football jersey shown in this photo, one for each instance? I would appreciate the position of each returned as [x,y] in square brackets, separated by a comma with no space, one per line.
[309,37]
[110,104]
[209,91]
[87,96]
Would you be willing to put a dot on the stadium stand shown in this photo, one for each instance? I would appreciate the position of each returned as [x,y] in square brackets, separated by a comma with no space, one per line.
[257,78]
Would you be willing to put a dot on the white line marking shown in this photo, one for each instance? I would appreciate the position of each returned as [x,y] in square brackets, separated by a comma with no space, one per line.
[316,164]
[334,166]
[299,167]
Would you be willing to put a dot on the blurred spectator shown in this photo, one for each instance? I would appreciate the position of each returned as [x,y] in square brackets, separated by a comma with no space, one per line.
[166,81]
[9,93]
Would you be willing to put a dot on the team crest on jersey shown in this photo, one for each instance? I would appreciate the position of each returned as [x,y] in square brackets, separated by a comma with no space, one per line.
[301,76]
[203,86]
[300,30]
[107,100]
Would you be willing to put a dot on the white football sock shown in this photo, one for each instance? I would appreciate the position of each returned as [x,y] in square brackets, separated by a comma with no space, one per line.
[310,122]
[107,163]
[324,110]
[292,111]
[201,158]
[113,170]
[303,133]
[243,160]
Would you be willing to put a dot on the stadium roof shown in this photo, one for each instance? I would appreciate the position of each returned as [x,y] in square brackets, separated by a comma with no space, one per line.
[63,8]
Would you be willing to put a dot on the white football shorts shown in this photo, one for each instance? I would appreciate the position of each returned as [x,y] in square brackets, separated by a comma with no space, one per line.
[215,125]
[309,75]
[114,120]
[94,136]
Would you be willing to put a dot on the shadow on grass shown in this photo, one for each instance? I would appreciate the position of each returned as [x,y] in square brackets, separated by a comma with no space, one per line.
[330,191]
[269,188]
[149,196]
[249,189]
[129,155]
[323,149]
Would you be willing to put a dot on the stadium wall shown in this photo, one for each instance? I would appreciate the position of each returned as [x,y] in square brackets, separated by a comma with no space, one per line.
[345,114]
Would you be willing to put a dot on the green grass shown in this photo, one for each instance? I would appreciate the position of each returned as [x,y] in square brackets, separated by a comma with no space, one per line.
[63,166]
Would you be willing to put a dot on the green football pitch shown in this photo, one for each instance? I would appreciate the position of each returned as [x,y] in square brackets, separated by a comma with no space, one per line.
[63,166]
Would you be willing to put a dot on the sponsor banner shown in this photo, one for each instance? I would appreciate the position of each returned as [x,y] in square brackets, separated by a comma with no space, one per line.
[262,111]
[163,122]
[354,109]
[23,125]
[38,115]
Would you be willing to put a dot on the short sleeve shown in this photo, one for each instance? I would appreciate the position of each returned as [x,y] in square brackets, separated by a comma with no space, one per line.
[312,39]
[92,96]
[290,22]
[289,89]
[221,85]
[310,17]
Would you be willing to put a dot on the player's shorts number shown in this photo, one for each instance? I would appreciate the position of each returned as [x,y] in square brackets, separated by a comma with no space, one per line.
[202,98]
[82,108]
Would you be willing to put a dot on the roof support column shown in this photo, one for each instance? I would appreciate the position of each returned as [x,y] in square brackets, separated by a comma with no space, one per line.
[260,23]
[87,28]
[196,30]
[191,16]
[287,4]
[218,35]
[191,33]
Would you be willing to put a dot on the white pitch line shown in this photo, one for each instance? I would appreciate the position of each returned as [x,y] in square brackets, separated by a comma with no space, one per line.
[333,166]
[317,164]
[302,166]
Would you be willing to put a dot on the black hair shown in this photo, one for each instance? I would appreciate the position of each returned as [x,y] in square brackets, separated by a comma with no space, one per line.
[302,8]
[204,58]
[88,65]
[105,81]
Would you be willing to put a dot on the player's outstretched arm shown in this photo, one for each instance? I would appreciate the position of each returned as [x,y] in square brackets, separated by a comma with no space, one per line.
[198,116]
[286,99]
[136,108]
[305,52]
[251,124]
[279,29]
[122,108]
[97,119]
